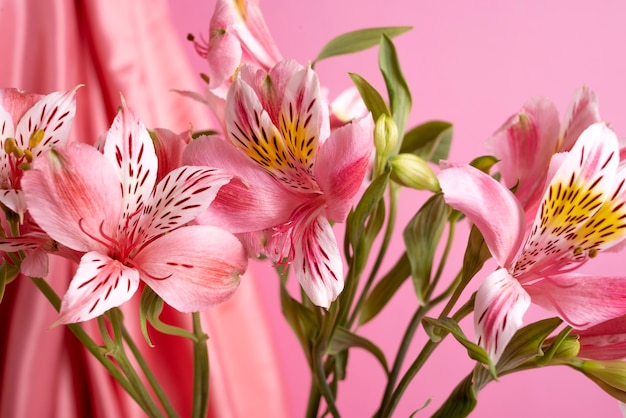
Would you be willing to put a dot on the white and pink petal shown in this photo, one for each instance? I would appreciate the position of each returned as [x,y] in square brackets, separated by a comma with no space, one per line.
[100,283]
[317,261]
[498,312]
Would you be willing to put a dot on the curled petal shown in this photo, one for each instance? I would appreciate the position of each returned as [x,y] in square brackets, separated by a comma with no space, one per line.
[203,270]
[490,206]
[342,163]
[583,112]
[100,283]
[498,311]
[317,262]
[257,42]
[14,200]
[581,300]
[524,145]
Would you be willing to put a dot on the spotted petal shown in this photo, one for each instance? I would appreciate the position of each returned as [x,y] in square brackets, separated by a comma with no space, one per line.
[575,194]
[581,300]
[181,196]
[53,114]
[100,284]
[317,261]
[202,271]
[129,148]
[490,206]
[498,310]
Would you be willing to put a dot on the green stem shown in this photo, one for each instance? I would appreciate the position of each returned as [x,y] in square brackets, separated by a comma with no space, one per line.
[87,342]
[427,350]
[442,262]
[200,370]
[145,368]
[119,354]
[315,397]
[320,375]
[401,355]
[393,212]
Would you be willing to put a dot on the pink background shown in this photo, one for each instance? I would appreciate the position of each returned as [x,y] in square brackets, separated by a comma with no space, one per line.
[474,64]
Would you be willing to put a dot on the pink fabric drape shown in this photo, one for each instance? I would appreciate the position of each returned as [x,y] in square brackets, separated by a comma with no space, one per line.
[117,47]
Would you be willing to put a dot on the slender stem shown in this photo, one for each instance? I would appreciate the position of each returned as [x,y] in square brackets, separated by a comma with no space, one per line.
[320,375]
[393,212]
[145,368]
[200,370]
[315,397]
[442,262]
[119,354]
[401,355]
[88,343]
[427,350]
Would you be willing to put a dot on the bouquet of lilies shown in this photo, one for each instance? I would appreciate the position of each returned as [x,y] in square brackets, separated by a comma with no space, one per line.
[177,216]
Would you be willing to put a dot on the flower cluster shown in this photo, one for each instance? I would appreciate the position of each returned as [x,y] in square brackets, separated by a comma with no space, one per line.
[177,216]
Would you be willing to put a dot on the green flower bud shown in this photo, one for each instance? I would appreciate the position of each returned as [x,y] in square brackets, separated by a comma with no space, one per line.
[385,136]
[609,375]
[412,171]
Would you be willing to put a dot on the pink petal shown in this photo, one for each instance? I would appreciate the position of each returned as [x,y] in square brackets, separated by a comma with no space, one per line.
[581,300]
[181,196]
[224,56]
[35,264]
[253,195]
[169,147]
[100,283]
[255,36]
[347,106]
[317,261]
[342,163]
[583,111]
[498,311]
[129,148]
[524,145]
[7,130]
[203,270]
[53,114]
[16,102]
[605,341]
[74,195]
[490,206]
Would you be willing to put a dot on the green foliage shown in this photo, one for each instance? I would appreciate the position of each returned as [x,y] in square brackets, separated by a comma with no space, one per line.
[429,140]
[344,339]
[358,40]
[399,93]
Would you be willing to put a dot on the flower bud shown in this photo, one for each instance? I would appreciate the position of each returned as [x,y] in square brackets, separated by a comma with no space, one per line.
[567,350]
[609,375]
[385,136]
[412,171]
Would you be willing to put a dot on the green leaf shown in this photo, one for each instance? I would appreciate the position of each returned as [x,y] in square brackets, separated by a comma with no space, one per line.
[526,344]
[430,140]
[358,40]
[385,289]
[344,339]
[434,328]
[461,401]
[421,238]
[397,87]
[370,96]
[484,163]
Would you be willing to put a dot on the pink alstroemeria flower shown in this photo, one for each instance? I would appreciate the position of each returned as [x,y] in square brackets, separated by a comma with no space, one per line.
[30,124]
[582,212]
[527,140]
[605,341]
[237,35]
[292,177]
[129,227]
